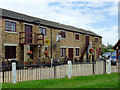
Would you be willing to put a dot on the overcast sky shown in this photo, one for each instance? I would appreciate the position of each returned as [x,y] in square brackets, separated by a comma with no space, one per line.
[100,16]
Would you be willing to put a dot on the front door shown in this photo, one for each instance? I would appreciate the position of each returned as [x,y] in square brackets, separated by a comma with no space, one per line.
[28,35]
[70,53]
[87,40]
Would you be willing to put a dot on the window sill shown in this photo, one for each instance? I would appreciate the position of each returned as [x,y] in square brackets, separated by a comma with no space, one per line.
[44,36]
[77,56]
[10,59]
[77,40]
[11,32]
[62,57]
[62,38]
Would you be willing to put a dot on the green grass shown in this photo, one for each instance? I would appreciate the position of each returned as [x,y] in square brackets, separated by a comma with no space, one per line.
[93,81]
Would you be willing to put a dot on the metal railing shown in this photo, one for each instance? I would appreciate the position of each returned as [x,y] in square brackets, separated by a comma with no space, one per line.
[44,71]
[31,38]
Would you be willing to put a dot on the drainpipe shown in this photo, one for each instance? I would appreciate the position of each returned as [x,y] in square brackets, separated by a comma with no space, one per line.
[51,47]
[86,50]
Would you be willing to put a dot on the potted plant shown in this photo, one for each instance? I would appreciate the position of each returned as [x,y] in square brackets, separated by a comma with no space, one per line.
[91,50]
[29,53]
[29,61]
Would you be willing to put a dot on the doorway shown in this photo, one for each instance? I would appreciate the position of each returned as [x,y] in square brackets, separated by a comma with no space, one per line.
[87,40]
[28,35]
[70,50]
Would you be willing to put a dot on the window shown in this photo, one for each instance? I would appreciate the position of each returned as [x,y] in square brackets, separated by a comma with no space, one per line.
[63,52]
[43,31]
[63,34]
[10,52]
[77,51]
[77,36]
[96,40]
[10,26]
[45,48]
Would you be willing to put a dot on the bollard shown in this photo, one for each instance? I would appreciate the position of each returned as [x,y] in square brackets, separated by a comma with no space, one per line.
[108,66]
[14,72]
[69,69]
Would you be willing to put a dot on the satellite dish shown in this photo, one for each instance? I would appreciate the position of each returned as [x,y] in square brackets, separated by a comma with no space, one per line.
[58,37]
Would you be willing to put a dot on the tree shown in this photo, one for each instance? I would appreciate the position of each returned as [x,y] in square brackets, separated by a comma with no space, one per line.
[104,50]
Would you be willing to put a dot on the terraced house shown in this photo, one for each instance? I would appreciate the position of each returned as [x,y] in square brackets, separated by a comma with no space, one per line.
[22,33]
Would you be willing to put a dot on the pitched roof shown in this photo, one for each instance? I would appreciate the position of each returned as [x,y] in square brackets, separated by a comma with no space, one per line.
[117,44]
[31,19]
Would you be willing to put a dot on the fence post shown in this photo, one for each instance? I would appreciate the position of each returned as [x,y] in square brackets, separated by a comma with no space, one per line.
[93,67]
[54,71]
[3,74]
[14,72]
[69,69]
[104,66]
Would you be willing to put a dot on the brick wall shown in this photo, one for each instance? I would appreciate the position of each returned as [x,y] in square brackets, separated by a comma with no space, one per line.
[0,40]
[69,41]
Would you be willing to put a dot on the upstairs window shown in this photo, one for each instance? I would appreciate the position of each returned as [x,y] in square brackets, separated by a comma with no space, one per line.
[43,31]
[10,26]
[63,34]
[10,52]
[96,40]
[63,52]
[77,52]
[77,36]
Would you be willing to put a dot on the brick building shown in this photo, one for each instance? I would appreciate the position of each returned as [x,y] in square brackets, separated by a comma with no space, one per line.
[21,33]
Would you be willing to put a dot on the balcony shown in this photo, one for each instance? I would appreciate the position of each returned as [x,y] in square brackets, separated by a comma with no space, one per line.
[31,38]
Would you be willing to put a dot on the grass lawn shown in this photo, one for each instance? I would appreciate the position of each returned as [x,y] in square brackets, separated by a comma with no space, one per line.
[93,81]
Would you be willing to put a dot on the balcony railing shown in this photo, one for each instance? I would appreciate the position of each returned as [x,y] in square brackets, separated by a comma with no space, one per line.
[31,38]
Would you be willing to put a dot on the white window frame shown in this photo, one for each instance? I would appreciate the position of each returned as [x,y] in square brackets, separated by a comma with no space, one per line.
[61,53]
[42,30]
[77,51]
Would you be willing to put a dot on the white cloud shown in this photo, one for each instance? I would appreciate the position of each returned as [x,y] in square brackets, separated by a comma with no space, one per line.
[112,10]
[81,15]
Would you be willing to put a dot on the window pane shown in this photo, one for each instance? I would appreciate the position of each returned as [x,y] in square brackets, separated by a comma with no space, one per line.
[96,40]
[10,52]
[61,53]
[77,52]
[77,36]
[10,26]
[14,27]
[40,30]
[6,25]
[63,34]
[44,31]
[65,52]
